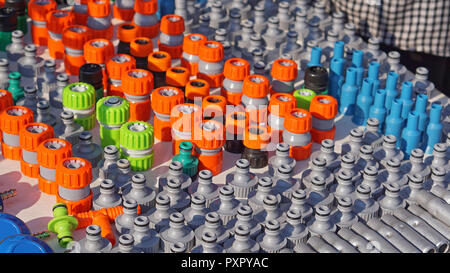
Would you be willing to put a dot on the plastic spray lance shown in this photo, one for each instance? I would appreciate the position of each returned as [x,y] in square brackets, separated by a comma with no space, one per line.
[373,73]
[62,224]
[378,110]
[421,110]
[406,97]
[357,63]
[410,135]
[391,89]
[348,93]
[434,128]
[316,54]
[394,122]
[189,161]
[363,102]
[14,86]
[337,64]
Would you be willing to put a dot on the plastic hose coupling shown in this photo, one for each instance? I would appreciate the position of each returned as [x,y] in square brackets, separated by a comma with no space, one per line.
[79,98]
[62,224]
[136,141]
[12,119]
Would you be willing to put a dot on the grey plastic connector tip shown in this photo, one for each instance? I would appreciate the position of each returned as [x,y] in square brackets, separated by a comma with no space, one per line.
[245,218]
[272,241]
[321,222]
[242,180]
[108,196]
[125,221]
[140,192]
[205,186]
[107,166]
[364,206]
[391,199]
[159,216]
[294,230]
[178,248]
[195,214]
[179,199]
[177,232]
[272,210]
[227,205]
[344,216]
[175,171]
[87,149]
[209,244]
[146,239]
[92,243]
[241,241]
[299,203]
[213,223]
[256,197]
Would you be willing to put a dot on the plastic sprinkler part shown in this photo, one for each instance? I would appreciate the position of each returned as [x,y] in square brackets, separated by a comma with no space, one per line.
[406,98]
[416,165]
[327,152]
[171,36]
[284,183]
[256,139]
[281,157]
[125,221]
[235,124]
[438,159]
[364,101]
[271,211]
[177,232]
[388,151]
[126,33]
[4,72]
[15,49]
[136,141]
[317,169]
[294,231]
[364,205]
[163,100]
[205,186]
[43,114]
[79,98]
[410,138]
[179,199]
[344,185]
[188,161]
[394,122]
[344,216]
[280,104]
[8,23]
[213,224]
[434,128]
[316,79]
[12,119]
[62,224]
[272,241]
[86,149]
[242,180]
[158,64]
[108,196]
[112,113]
[211,65]
[92,74]
[323,109]
[116,67]
[298,124]
[421,109]
[209,145]
[74,37]
[245,217]
[145,239]
[191,48]
[159,215]
[126,245]
[348,93]
[377,110]
[142,194]
[137,85]
[31,135]
[391,90]
[284,73]
[299,203]
[57,21]
[391,199]
[94,242]
[241,242]
[254,98]
[29,98]
[68,129]
[195,214]
[227,206]
[175,171]
[209,244]
[372,134]
[355,143]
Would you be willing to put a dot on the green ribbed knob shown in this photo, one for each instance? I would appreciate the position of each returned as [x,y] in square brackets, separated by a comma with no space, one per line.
[113,110]
[78,96]
[137,135]
[304,97]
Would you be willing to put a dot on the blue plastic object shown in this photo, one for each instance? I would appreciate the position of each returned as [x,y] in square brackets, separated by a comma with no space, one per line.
[434,128]
[338,50]
[391,89]
[406,97]
[336,79]
[421,110]
[348,93]
[410,136]
[22,243]
[316,54]
[394,122]
[378,110]
[165,7]
[363,103]
[372,74]
[11,225]
[357,63]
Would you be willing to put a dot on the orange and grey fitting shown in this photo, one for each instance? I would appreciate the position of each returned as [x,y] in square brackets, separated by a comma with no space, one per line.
[116,67]
[49,153]
[256,139]
[284,73]
[12,119]
[235,124]
[210,67]
[191,47]
[31,135]
[183,119]
[37,11]
[196,90]
[57,21]
[158,63]
[81,12]
[146,20]
[163,100]
[99,19]
[177,76]
[235,71]
[280,104]
[254,98]
[323,109]
[99,51]
[171,36]
[214,107]
[140,49]
[209,140]
[74,37]
[6,100]
[137,86]
[123,10]
[74,176]
[297,127]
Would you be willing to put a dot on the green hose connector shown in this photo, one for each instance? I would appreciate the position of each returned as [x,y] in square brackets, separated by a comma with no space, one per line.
[304,97]
[99,94]
[79,98]
[62,224]
[112,113]
[5,39]
[136,142]
[14,86]
[22,24]
[189,161]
